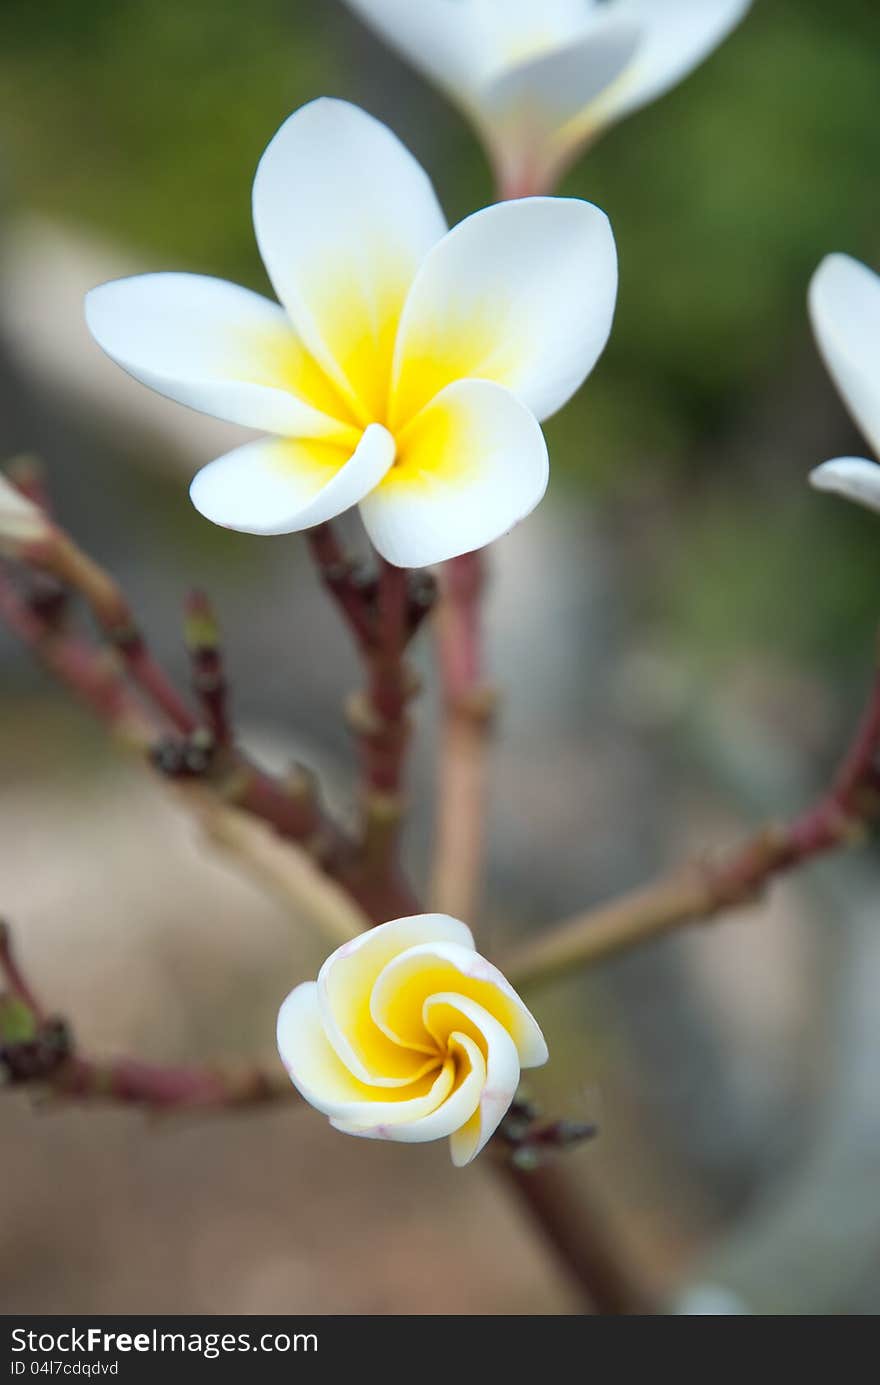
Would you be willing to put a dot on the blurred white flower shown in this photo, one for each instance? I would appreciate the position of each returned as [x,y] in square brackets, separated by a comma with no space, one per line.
[845,310]
[21,521]
[409,366]
[409,1035]
[541,78]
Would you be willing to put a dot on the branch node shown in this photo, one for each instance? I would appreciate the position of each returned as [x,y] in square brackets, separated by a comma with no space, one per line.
[531,1142]
[39,1058]
[478,704]
[301,783]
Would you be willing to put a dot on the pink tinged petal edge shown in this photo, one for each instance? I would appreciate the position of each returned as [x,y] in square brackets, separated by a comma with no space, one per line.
[502,1063]
[536,115]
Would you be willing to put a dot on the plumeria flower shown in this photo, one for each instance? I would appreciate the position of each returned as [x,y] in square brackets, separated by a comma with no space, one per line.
[409,366]
[21,521]
[845,310]
[408,1034]
[541,78]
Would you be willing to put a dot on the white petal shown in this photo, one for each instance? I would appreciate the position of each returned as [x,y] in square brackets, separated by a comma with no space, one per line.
[218,348]
[346,981]
[517,30]
[395,1108]
[845,309]
[21,521]
[438,36]
[311,1061]
[535,115]
[521,293]
[317,1072]
[855,478]
[677,36]
[446,1118]
[434,967]
[344,216]
[279,486]
[470,466]
[461,43]
[447,1013]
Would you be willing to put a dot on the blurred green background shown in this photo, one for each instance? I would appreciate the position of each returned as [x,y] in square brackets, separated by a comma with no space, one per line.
[684,632]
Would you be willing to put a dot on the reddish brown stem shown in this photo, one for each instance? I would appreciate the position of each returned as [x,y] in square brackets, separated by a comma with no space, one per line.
[342,578]
[49,1059]
[379,721]
[92,675]
[468,709]
[168,1088]
[577,1229]
[208,673]
[384,735]
[61,557]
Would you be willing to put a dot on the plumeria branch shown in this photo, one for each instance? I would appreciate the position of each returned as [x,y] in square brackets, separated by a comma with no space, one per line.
[380,720]
[59,556]
[38,1050]
[93,675]
[703,890]
[567,1215]
[154,719]
[383,613]
[525,1151]
[347,582]
[468,708]
[293,876]
[202,635]
[215,787]
[159,1088]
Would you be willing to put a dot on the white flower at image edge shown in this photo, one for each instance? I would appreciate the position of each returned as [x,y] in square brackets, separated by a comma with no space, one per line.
[409,366]
[21,521]
[541,78]
[845,311]
[409,1035]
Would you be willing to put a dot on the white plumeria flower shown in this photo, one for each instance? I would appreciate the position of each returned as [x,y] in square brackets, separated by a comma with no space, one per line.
[21,521]
[845,310]
[409,366]
[541,78]
[408,1034]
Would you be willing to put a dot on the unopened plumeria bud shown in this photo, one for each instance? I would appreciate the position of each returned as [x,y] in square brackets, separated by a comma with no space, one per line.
[410,1035]
[21,521]
[409,367]
[845,310]
[200,628]
[542,78]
